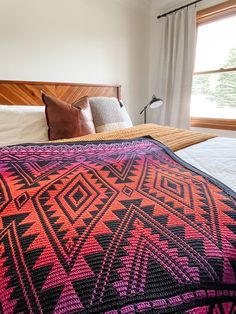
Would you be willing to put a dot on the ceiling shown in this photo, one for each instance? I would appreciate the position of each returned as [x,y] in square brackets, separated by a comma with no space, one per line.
[163,5]
[142,4]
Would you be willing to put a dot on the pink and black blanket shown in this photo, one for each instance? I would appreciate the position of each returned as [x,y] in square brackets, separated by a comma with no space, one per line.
[113,227]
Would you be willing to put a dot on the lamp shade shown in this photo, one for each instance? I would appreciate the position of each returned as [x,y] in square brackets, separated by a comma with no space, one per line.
[156,102]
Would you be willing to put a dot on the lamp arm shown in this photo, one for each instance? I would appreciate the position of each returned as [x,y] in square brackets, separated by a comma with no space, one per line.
[145,108]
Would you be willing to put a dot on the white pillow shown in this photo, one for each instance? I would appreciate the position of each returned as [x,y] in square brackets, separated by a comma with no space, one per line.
[109,114]
[22,124]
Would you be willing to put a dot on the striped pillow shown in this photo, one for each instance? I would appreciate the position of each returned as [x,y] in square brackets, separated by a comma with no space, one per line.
[109,114]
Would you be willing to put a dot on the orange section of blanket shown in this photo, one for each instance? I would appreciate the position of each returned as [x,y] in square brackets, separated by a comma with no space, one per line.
[172,137]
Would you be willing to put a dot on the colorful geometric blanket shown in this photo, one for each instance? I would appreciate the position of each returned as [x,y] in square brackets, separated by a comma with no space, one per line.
[113,227]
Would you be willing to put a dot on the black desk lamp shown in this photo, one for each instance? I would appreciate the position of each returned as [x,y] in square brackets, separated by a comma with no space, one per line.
[153,103]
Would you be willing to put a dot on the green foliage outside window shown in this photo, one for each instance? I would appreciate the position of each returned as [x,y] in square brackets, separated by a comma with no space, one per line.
[223,90]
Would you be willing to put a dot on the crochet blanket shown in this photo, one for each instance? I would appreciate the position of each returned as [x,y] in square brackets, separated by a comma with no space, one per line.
[174,138]
[113,227]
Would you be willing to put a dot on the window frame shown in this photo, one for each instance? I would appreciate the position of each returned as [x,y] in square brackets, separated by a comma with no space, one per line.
[204,16]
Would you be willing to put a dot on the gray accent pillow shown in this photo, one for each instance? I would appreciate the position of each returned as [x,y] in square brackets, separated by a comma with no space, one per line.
[109,114]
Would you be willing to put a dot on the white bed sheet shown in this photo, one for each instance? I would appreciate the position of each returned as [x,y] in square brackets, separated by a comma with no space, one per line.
[216,157]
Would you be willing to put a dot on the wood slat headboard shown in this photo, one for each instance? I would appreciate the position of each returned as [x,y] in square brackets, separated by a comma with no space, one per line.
[29,93]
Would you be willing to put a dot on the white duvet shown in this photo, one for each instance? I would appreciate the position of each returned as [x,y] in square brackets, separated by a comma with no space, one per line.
[216,157]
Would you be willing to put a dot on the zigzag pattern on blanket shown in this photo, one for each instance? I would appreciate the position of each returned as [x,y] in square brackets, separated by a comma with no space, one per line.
[116,227]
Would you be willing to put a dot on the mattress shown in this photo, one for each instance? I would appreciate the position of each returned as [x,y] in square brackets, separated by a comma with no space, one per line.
[216,157]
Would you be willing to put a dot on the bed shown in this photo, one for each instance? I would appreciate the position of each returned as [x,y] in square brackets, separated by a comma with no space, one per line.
[116,222]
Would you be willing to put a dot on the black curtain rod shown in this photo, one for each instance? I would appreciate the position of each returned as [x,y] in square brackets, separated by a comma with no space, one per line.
[173,11]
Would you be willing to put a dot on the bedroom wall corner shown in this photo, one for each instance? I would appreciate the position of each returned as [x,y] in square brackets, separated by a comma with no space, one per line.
[90,41]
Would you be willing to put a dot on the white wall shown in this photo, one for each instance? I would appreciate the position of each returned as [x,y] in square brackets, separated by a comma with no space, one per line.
[92,41]
[159,7]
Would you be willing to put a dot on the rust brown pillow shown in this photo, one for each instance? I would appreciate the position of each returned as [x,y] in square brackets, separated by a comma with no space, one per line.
[68,120]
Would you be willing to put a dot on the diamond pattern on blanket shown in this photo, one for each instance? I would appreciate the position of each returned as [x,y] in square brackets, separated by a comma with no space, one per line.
[113,227]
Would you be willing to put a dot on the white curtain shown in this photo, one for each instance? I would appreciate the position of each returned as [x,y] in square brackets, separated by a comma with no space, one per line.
[176,66]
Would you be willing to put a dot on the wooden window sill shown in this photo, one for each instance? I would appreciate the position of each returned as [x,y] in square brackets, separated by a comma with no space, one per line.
[213,123]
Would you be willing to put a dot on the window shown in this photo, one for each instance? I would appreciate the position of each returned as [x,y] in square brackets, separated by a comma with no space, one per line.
[213,102]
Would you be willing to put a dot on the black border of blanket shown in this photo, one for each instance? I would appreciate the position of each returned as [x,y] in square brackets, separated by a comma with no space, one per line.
[171,153]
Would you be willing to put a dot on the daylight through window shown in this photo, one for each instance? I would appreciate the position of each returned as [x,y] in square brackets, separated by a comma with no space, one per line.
[214,81]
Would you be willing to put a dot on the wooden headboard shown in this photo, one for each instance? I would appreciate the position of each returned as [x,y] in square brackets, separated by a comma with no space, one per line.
[29,93]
